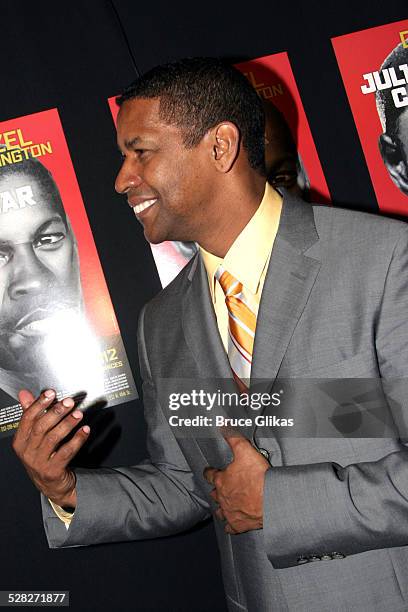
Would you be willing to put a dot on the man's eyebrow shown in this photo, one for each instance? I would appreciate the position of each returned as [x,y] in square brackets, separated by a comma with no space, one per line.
[129,144]
[40,230]
[44,226]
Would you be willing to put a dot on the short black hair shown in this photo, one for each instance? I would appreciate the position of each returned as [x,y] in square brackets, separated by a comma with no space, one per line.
[32,166]
[198,93]
[388,112]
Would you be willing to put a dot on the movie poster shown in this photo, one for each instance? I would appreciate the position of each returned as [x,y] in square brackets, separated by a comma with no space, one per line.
[290,151]
[57,324]
[374,67]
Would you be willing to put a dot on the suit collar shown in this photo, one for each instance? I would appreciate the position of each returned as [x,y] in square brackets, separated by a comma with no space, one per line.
[288,284]
[297,224]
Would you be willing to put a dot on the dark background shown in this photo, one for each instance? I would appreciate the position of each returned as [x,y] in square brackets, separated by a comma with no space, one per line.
[73,56]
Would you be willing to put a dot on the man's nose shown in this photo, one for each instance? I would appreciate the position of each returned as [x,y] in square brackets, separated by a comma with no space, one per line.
[129,176]
[29,276]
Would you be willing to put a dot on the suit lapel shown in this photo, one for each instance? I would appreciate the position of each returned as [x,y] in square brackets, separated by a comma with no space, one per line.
[289,281]
[200,326]
[203,338]
[288,284]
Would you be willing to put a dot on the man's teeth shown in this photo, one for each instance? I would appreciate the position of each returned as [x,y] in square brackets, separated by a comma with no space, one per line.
[138,209]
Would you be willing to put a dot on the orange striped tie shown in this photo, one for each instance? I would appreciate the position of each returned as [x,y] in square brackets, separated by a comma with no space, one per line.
[241,327]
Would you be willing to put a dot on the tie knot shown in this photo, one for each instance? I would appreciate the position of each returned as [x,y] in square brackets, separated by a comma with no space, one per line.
[229,284]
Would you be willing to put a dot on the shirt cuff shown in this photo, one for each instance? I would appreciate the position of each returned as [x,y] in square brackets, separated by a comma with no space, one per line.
[63,515]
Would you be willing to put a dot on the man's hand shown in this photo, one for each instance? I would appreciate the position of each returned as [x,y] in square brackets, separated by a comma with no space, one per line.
[238,488]
[37,443]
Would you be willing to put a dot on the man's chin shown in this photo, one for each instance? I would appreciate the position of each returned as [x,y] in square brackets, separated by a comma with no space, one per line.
[31,375]
[29,358]
[155,237]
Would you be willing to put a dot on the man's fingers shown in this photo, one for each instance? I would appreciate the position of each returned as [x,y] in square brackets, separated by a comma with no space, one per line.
[209,474]
[229,529]
[220,514]
[32,411]
[43,402]
[214,495]
[26,398]
[238,444]
[67,451]
[46,420]
[48,443]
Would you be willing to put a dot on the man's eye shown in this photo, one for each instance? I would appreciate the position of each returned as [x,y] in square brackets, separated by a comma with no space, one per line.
[284,179]
[4,258]
[49,241]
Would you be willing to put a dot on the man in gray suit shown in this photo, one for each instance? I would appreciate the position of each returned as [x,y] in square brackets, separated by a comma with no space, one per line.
[302,523]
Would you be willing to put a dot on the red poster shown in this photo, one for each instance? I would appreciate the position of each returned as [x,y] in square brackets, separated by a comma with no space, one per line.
[273,79]
[374,67]
[57,324]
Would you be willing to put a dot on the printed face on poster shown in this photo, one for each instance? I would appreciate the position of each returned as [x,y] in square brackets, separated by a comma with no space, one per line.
[57,324]
[374,68]
[291,157]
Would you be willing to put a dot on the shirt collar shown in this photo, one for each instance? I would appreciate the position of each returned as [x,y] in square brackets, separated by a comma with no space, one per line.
[249,253]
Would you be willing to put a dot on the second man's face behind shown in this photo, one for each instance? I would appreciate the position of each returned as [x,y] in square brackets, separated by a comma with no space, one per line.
[281,157]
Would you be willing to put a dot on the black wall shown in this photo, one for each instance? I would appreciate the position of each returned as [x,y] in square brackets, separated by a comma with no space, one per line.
[73,56]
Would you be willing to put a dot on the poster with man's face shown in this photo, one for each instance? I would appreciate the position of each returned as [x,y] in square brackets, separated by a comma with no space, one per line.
[374,67]
[290,154]
[57,324]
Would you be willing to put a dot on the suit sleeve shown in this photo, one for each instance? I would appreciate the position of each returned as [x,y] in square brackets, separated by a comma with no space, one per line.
[318,509]
[155,498]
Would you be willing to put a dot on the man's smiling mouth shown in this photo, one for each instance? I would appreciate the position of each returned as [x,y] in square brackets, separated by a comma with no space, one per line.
[139,206]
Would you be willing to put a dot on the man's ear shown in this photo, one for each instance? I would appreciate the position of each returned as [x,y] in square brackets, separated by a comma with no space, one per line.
[225,145]
[393,159]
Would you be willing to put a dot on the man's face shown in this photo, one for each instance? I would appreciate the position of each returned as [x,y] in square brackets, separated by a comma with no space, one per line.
[281,160]
[403,129]
[281,167]
[403,139]
[394,151]
[39,275]
[167,185]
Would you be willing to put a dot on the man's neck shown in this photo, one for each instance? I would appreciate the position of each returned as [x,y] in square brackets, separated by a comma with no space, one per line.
[235,211]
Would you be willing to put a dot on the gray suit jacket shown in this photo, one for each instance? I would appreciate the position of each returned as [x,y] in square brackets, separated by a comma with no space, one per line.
[334,304]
